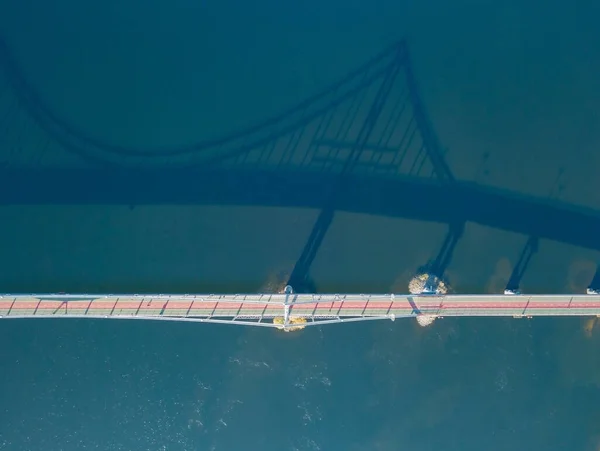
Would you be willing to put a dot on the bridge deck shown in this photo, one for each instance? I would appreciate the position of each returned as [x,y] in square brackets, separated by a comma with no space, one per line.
[263,308]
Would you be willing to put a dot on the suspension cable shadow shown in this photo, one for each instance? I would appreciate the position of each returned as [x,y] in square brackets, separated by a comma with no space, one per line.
[430,139]
[430,145]
[391,194]
[102,152]
[300,274]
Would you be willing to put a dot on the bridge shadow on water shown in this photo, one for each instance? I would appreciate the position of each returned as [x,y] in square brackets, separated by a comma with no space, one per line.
[363,145]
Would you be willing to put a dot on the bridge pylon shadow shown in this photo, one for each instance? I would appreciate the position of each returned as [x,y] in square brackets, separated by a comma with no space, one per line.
[437,266]
[300,278]
[514,282]
[594,286]
[428,149]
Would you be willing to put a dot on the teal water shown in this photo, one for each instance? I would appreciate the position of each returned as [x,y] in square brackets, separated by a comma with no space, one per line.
[462,385]
[512,90]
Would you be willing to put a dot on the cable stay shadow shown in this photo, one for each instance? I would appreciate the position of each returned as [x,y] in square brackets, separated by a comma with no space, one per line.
[430,139]
[103,153]
[514,282]
[300,274]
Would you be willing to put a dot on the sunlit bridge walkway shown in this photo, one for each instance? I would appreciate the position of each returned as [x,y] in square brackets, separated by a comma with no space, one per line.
[290,311]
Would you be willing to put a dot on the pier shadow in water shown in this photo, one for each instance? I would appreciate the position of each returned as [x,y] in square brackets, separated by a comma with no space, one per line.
[530,248]
[300,279]
[440,263]
[595,283]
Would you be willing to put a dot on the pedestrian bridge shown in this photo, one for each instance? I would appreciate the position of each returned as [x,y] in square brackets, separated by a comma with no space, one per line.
[290,310]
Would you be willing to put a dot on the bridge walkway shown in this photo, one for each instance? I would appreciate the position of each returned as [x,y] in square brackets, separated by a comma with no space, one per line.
[262,309]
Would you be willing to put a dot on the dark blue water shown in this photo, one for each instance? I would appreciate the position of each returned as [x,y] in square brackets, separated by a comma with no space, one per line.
[511,90]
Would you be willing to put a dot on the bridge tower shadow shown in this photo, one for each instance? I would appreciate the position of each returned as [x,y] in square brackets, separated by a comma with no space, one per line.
[285,159]
[300,277]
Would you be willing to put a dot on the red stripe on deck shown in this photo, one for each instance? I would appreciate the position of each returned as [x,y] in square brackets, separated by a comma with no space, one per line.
[180,305]
[50,305]
[127,305]
[153,304]
[504,305]
[98,305]
[345,305]
[479,305]
[230,305]
[20,305]
[204,304]
[384,304]
[302,306]
[216,305]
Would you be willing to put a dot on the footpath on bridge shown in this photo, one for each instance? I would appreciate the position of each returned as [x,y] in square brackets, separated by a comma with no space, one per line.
[281,310]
